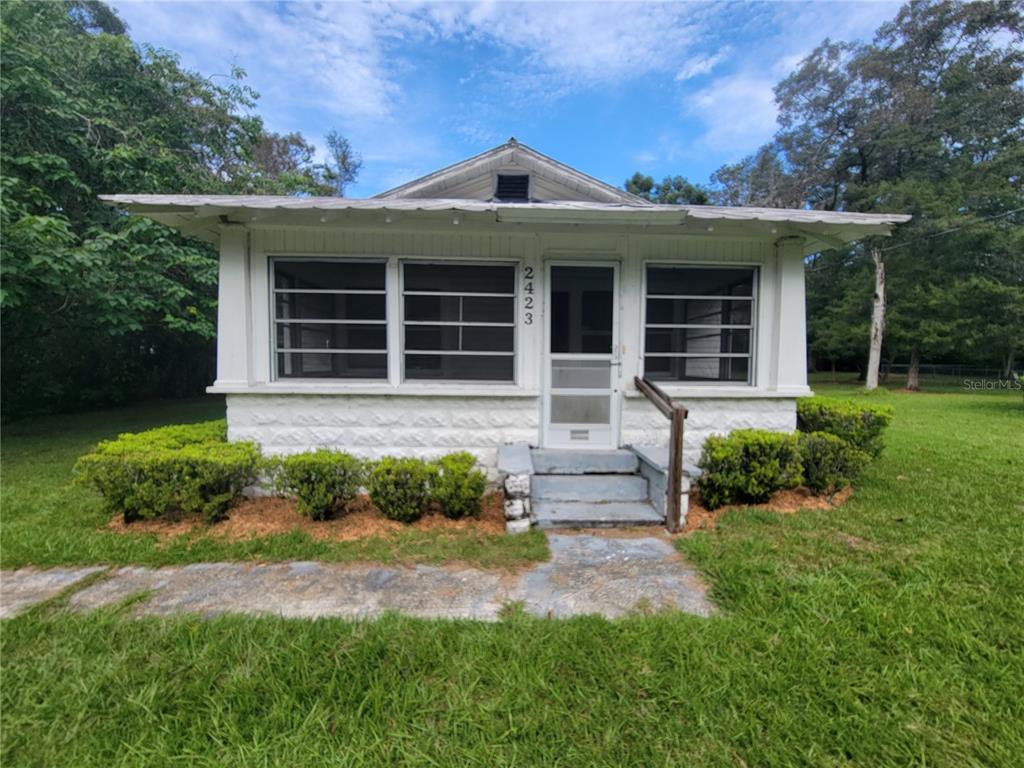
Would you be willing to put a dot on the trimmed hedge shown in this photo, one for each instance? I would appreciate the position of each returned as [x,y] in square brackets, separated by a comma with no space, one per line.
[859,425]
[401,487]
[829,463]
[748,466]
[457,485]
[185,468]
[321,481]
[192,468]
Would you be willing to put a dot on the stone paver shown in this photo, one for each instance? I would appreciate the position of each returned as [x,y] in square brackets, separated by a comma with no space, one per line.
[586,574]
[25,587]
[611,576]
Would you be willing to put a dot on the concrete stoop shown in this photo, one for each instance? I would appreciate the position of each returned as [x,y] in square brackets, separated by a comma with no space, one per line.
[577,489]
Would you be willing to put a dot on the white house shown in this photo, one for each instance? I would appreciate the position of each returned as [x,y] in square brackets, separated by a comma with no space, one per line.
[505,299]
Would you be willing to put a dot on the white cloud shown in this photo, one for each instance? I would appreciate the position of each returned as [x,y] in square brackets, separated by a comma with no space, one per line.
[738,112]
[354,66]
[702,65]
[333,51]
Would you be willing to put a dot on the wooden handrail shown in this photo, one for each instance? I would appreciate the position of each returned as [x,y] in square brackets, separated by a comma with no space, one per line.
[676,414]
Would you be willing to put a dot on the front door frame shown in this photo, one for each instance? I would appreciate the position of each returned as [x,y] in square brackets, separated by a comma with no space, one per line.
[614,357]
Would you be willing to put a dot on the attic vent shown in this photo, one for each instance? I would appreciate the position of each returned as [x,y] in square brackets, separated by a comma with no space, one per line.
[513,187]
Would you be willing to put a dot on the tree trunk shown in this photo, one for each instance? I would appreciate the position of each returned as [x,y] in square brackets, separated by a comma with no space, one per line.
[833,370]
[877,322]
[914,372]
[1008,362]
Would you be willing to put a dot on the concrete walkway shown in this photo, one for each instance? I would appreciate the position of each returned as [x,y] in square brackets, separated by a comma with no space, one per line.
[586,574]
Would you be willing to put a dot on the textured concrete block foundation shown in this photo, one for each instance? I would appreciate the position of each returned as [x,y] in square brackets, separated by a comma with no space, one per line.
[384,425]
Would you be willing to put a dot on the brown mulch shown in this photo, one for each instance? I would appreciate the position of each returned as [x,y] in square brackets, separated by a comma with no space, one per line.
[268,516]
[784,502]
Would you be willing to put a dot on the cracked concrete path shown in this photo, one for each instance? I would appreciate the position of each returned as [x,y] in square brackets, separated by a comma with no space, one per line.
[22,588]
[587,574]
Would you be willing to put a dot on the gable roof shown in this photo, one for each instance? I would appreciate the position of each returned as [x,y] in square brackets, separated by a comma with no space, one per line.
[473,179]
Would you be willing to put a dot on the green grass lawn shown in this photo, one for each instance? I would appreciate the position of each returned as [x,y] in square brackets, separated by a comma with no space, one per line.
[887,633]
[46,520]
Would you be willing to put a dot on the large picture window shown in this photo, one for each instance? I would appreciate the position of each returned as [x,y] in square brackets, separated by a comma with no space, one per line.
[459,321]
[330,319]
[699,324]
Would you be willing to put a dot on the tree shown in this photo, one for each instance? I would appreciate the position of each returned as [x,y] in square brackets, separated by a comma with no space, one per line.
[96,306]
[760,179]
[344,164]
[927,119]
[673,190]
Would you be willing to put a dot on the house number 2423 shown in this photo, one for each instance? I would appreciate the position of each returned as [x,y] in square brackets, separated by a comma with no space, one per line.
[528,295]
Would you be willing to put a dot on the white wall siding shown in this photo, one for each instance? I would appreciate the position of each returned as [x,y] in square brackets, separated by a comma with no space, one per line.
[384,425]
[643,424]
[421,418]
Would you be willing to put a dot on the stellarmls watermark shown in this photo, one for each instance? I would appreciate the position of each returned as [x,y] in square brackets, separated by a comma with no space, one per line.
[992,385]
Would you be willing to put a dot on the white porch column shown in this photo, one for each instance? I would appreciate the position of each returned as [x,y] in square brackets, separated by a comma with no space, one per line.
[234,312]
[792,318]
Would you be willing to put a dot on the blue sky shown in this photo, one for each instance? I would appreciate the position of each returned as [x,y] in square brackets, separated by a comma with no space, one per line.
[609,88]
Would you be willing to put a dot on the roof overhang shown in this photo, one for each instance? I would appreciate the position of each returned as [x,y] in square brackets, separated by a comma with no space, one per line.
[203,216]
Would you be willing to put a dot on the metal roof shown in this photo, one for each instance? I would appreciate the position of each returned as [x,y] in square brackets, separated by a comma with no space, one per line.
[202,216]
[216,205]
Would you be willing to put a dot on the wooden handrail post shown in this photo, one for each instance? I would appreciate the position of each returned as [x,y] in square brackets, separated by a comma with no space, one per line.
[676,414]
[673,511]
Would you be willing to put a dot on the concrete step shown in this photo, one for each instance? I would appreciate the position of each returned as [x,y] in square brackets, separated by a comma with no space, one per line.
[579,514]
[548,461]
[591,488]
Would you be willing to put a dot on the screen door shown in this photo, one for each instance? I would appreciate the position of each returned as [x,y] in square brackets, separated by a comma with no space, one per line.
[580,403]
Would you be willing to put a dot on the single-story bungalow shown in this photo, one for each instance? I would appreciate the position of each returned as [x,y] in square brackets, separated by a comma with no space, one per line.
[506,299]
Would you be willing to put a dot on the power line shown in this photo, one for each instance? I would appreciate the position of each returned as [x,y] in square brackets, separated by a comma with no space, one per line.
[950,231]
[974,223]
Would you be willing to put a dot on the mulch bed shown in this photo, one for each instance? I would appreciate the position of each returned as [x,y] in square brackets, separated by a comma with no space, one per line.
[784,502]
[269,516]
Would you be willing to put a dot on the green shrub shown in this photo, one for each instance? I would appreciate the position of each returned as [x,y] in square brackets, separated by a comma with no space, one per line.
[401,487]
[171,470]
[748,466]
[457,485]
[830,463]
[859,425]
[322,481]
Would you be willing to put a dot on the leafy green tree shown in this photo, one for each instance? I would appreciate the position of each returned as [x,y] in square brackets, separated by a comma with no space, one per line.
[673,190]
[344,165]
[760,179]
[926,119]
[97,306]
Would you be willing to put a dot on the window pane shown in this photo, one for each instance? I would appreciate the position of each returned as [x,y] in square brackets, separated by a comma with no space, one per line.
[698,311]
[581,309]
[580,374]
[331,336]
[455,338]
[474,309]
[327,306]
[699,281]
[466,367]
[484,309]
[443,308]
[488,339]
[338,366]
[337,275]
[433,337]
[460,278]
[580,409]
[697,368]
[694,340]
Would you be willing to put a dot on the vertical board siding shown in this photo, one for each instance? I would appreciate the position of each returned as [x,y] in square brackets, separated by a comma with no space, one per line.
[374,243]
